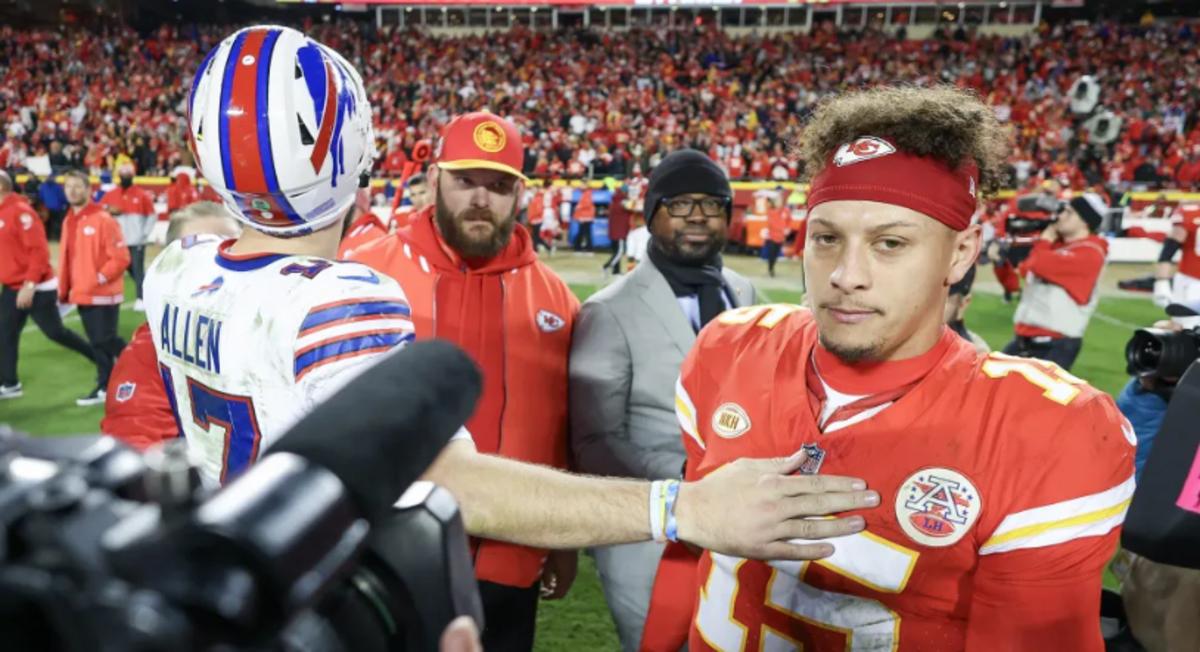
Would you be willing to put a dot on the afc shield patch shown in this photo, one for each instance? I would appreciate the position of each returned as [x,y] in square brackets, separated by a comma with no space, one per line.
[125,391]
[936,507]
[730,421]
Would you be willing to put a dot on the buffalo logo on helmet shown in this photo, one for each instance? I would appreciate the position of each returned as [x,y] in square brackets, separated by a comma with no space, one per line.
[862,149]
[549,322]
[937,506]
[490,137]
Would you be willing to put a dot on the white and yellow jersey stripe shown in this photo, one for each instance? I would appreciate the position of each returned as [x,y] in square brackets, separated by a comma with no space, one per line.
[1087,516]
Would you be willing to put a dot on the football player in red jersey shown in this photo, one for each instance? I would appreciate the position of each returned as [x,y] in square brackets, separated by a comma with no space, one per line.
[1004,481]
[1185,235]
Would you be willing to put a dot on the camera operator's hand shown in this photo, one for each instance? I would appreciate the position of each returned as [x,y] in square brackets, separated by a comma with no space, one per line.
[558,574]
[461,635]
[756,508]
[1050,233]
[1169,325]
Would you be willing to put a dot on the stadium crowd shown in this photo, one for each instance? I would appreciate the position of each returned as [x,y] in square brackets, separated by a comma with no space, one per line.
[613,103]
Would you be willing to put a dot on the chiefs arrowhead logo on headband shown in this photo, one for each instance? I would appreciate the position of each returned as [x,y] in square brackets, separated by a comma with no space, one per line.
[892,175]
[863,149]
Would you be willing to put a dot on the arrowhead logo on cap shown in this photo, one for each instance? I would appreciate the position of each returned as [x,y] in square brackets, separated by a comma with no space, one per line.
[863,149]
[490,137]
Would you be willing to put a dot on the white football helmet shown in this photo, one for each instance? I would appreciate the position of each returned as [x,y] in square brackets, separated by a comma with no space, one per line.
[280,126]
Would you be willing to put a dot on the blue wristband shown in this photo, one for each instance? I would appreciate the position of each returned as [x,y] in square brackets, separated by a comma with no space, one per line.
[672,527]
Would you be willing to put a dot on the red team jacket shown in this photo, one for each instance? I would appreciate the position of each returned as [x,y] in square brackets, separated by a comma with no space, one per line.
[1003,481]
[92,244]
[514,316]
[137,410]
[24,252]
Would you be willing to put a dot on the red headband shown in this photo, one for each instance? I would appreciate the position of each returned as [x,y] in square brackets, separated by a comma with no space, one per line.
[872,169]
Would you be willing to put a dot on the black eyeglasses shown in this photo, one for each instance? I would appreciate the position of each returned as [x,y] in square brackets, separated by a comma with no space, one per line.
[685,206]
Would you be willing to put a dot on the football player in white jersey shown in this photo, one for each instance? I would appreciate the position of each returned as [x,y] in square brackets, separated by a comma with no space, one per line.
[254,332]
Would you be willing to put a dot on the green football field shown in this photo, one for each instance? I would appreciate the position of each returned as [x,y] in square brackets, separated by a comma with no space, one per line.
[54,377]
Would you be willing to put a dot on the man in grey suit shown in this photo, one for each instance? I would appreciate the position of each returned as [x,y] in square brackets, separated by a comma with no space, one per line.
[629,342]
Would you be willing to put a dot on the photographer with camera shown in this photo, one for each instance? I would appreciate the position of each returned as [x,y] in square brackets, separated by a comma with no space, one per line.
[1021,221]
[1159,593]
[1061,276]
[1156,359]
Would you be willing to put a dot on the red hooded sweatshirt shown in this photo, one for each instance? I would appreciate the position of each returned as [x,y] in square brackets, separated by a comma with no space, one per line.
[514,316]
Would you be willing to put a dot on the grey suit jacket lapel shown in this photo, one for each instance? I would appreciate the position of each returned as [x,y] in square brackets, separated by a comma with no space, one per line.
[657,295]
[741,291]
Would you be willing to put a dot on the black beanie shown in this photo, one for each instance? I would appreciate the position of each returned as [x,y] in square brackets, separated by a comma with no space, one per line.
[681,172]
[1091,208]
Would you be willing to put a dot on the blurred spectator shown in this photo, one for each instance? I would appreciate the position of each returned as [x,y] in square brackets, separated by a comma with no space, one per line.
[181,193]
[29,288]
[133,208]
[93,260]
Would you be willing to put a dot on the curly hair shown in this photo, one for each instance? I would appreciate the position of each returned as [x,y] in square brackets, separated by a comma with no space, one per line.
[942,122]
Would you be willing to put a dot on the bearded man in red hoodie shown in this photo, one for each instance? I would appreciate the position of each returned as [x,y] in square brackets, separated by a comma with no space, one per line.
[472,276]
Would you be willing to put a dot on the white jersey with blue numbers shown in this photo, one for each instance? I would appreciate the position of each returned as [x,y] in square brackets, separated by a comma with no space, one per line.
[249,344]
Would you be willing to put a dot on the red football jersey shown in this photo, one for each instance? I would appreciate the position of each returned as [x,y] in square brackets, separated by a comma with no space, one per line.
[1188,217]
[1004,483]
[137,410]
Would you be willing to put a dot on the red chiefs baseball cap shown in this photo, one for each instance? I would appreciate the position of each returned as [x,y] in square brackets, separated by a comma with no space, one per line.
[481,140]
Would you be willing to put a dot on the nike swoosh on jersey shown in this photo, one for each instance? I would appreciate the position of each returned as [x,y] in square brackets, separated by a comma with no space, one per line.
[372,278]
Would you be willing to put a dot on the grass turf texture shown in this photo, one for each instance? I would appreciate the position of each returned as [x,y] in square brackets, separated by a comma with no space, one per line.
[54,377]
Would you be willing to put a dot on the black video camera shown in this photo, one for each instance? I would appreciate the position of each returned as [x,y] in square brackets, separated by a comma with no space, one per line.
[105,550]
[309,549]
[1034,214]
[1161,355]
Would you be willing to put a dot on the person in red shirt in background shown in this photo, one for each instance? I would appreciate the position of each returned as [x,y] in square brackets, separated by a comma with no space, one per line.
[618,229]
[1187,173]
[416,191]
[1180,285]
[1061,275]
[30,288]
[584,215]
[535,213]
[778,217]
[133,208]
[472,277]
[365,228]
[93,260]
[181,193]
[208,194]
[136,408]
